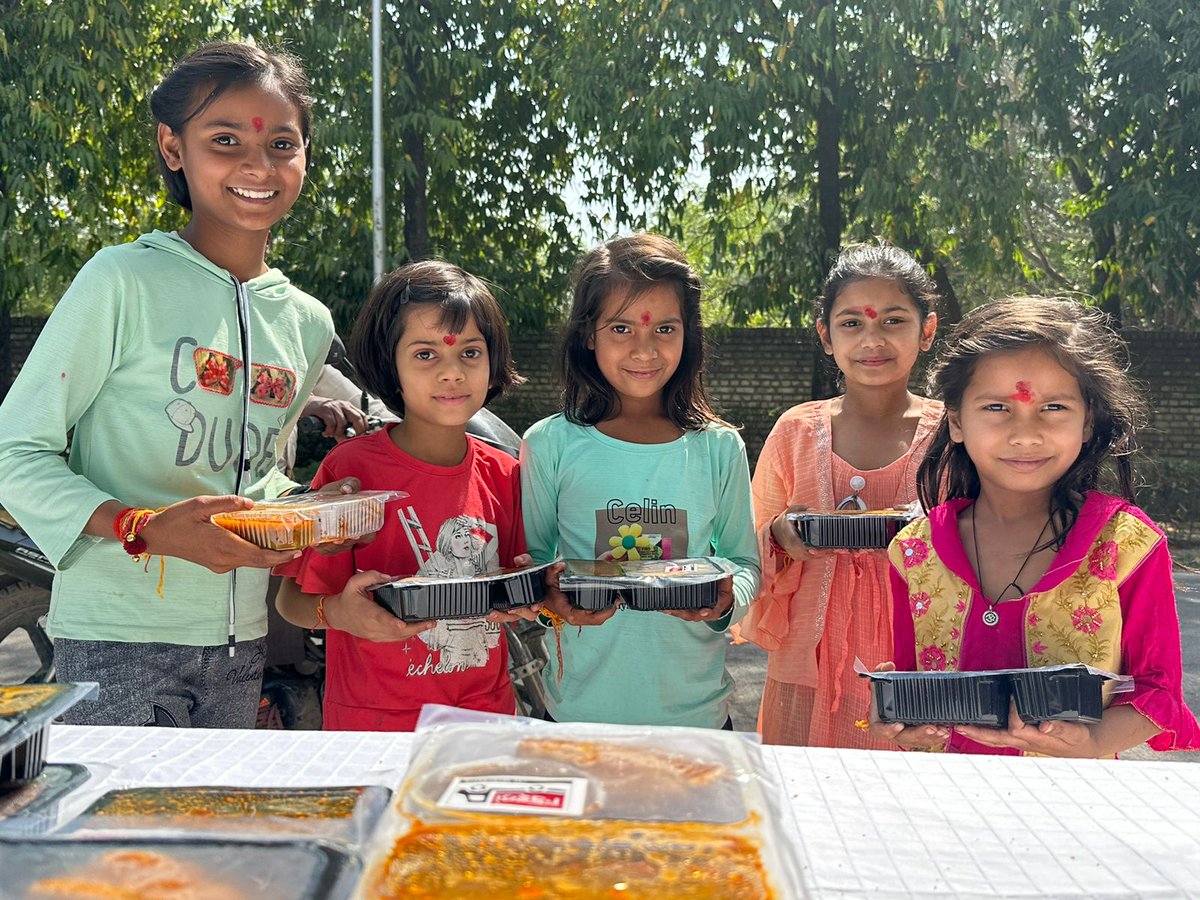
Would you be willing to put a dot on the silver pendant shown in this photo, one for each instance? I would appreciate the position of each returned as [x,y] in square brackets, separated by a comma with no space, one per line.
[991,617]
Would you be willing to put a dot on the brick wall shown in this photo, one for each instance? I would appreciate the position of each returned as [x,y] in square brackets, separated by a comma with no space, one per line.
[755,374]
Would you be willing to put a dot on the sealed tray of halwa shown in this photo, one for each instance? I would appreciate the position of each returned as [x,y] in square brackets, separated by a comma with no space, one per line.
[516,807]
[345,815]
[26,711]
[646,584]
[158,869]
[303,520]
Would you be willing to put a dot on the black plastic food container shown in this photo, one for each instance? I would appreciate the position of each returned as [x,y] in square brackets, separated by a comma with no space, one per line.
[849,530]
[419,598]
[26,711]
[942,698]
[1067,694]
[415,601]
[521,589]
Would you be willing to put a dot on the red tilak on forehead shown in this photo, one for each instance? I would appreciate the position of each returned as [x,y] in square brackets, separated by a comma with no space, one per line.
[645,318]
[1024,392]
[258,123]
[450,340]
[871,314]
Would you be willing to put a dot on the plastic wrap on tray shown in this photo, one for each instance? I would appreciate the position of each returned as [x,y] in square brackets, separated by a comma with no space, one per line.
[36,806]
[199,869]
[850,529]
[1069,693]
[426,597]
[26,711]
[295,522]
[505,807]
[646,584]
[345,815]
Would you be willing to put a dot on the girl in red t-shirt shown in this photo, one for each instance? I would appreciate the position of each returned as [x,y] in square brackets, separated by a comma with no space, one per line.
[432,344]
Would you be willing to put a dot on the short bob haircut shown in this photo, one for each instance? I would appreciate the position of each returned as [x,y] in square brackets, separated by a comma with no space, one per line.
[626,268]
[203,75]
[461,297]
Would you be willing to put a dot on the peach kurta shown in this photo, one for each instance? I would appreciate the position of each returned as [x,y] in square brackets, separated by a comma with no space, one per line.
[815,618]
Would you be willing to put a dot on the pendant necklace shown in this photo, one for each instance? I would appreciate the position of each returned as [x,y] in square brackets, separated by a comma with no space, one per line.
[990,616]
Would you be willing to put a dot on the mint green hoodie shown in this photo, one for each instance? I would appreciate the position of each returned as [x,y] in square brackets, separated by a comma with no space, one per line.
[143,358]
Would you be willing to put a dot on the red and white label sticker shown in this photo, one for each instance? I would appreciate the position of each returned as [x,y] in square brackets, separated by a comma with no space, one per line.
[521,794]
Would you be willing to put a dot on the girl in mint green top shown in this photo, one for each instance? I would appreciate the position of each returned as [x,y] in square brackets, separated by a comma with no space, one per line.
[639,464]
[180,360]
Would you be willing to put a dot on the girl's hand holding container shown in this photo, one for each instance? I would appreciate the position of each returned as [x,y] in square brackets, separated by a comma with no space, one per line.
[556,604]
[785,535]
[724,602]
[908,737]
[355,612]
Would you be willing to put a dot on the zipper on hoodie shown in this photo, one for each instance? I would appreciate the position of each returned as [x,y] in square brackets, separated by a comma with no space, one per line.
[243,317]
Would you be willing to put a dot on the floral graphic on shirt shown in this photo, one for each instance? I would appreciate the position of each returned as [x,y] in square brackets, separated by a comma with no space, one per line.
[914,551]
[932,659]
[1086,619]
[1103,561]
[629,543]
[272,386]
[1080,619]
[919,603]
[215,370]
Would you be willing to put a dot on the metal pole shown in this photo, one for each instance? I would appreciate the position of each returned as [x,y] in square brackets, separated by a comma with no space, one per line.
[377,139]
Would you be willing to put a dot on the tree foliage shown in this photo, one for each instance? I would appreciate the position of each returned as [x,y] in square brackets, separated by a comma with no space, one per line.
[1010,145]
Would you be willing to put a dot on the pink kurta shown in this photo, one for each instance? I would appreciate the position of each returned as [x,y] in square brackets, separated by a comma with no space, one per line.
[815,618]
[1107,600]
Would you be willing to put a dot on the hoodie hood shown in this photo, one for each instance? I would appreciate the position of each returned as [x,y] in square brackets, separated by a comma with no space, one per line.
[272,284]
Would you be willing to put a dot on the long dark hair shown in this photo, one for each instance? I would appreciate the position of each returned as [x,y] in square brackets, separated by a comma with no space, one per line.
[203,75]
[461,297]
[1083,342]
[628,267]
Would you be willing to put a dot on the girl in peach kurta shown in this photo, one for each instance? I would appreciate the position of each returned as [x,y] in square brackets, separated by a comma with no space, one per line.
[818,610]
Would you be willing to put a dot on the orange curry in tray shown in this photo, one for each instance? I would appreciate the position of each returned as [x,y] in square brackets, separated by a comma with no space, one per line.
[533,858]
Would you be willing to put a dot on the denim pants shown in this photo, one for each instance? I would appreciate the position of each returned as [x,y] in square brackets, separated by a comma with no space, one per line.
[164,684]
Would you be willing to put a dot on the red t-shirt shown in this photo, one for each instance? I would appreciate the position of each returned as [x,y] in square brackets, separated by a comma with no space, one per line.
[457,520]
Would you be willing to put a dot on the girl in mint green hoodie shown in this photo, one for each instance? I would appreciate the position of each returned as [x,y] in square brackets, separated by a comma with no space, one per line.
[180,360]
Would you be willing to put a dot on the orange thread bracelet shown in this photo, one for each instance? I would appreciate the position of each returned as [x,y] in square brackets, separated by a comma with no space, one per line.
[322,622]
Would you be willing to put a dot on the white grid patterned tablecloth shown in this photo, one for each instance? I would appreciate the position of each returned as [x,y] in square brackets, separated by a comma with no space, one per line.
[885,825]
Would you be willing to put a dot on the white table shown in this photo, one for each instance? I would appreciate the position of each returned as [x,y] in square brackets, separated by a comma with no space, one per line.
[886,825]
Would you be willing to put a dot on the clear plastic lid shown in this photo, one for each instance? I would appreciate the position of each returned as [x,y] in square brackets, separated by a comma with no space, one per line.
[643,573]
[579,810]
[25,709]
[295,522]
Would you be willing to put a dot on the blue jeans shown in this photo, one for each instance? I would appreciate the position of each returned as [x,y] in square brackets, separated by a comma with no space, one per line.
[164,684]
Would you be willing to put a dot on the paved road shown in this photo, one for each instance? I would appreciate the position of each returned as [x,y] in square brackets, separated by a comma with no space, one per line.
[748,665]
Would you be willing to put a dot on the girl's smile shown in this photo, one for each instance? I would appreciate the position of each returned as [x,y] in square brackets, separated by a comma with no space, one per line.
[875,332]
[241,179]
[638,344]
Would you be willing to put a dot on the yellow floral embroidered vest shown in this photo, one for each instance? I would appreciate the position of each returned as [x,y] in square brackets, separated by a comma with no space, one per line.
[1077,621]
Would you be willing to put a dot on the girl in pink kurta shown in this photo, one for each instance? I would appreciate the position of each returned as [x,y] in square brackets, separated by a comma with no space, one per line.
[1022,561]
[818,610]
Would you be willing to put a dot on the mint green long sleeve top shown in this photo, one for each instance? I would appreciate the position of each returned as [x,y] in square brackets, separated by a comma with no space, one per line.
[580,489]
[143,358]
